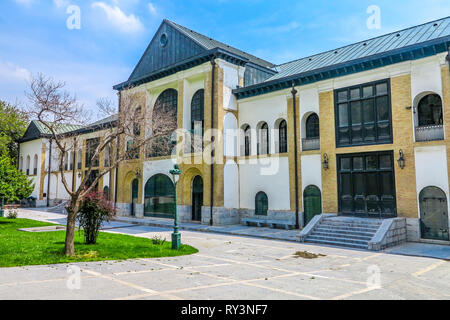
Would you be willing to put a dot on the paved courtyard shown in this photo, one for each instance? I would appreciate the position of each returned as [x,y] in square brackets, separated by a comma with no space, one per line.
[232,267]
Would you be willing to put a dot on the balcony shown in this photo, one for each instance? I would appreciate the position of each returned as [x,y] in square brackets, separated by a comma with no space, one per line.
[310,144]
[429,133]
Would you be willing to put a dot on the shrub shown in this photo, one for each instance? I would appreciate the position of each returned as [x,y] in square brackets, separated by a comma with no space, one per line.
[94,211]
[12,214]
[158,240]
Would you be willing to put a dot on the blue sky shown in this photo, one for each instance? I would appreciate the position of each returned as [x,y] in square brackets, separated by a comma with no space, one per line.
[114,34]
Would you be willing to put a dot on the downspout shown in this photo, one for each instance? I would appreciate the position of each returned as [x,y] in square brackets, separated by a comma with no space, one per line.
[117,155]
[294,92]
[49,172]
[74,175]
[213,68]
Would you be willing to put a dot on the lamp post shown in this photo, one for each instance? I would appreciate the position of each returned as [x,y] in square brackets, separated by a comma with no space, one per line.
[1,208]
[176,236]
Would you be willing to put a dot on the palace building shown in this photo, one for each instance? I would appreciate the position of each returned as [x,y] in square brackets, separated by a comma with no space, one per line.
[360,131]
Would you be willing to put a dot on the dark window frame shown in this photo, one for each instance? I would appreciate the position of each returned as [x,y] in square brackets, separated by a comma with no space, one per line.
[247,140]
[376,122]
[91,146]
[263,211]
[282,137]
[312,129]
[261,137]
[197,114]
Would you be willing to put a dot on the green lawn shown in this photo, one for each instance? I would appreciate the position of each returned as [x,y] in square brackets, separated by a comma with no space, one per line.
[19,248]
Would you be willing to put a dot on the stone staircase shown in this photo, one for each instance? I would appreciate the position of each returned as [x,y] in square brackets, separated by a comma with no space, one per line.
[344,231]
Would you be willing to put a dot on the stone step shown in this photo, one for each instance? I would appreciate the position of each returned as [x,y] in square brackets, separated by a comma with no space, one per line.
[337,243]
[346,229]
[331,238]
[341,235]
[351,224]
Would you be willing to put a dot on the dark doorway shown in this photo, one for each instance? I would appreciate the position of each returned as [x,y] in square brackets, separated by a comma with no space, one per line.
[312,202]
[433,214]
[197,198]
[134,196]
[366,184]
[91,178]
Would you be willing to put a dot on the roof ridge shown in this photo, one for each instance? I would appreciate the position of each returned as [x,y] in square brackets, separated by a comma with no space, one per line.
[363,41]
[185,29]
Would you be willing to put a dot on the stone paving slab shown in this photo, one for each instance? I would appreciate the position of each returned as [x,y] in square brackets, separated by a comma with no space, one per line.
[422,250]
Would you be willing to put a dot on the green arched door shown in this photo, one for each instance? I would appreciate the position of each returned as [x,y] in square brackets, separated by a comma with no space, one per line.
[197,198]
[134,196]
[434,222]
[159,197]
[312,202]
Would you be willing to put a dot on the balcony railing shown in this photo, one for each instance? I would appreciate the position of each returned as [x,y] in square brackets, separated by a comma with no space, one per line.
[310,144]
[430,133]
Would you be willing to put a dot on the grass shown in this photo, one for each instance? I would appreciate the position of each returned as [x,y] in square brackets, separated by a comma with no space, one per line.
[19,248]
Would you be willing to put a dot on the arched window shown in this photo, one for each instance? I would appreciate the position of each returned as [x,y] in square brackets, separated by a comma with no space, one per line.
[35,164]
[282,132]
[261,204]
[164,120]
[312,126]
[159,197]
[137,118]
[263,139]
[28,165]
[197,120]
[106,192]
[430,110]
[21,164]
[247,140]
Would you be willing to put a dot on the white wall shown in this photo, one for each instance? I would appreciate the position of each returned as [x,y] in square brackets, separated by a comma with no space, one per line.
[431,169]
[311,166]
[231,135]
[268,108]
[309,103]
[32,148]
[230,82]
[270,175]
[231,184]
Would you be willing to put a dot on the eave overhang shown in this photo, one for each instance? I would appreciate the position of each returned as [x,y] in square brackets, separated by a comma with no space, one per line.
[187,64]
[412,52]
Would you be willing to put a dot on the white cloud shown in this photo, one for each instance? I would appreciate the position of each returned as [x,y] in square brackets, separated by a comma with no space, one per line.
[12,72]
[61,3]
[152,8]
[119,19]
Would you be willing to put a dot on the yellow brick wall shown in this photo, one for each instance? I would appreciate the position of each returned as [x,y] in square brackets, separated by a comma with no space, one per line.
[405,180]
[291,153]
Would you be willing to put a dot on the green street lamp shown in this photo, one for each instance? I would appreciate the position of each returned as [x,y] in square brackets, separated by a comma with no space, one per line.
[176,236]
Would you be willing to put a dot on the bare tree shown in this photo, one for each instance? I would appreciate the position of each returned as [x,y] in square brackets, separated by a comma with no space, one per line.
[128,134]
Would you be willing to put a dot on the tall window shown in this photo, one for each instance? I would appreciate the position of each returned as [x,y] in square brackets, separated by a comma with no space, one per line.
[79,159]
[164,118]
[261,204]
[363,114]
[91,146]
[282,136]
[430,110]
[247,140]
[263,139]
[197,120]
[21,164]
[35,164]
[136,125]
[28,165]
[312,126]
[107,155]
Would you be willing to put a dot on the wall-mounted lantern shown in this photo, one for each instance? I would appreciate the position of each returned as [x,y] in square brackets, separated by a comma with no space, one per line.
[79,174]
[325,161]
[401,159]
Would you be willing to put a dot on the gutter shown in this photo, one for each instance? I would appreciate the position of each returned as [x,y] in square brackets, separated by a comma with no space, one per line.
[117,156]
[294,92]
[213,68]
[49,172]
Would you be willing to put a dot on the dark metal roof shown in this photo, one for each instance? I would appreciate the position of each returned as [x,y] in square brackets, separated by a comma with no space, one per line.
[409,44]
[395,40]
[209,43]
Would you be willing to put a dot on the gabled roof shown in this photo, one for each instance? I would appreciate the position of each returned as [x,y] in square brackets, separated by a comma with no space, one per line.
[183,49]
[385,43]
[409,44]
[209,43]
[36,129]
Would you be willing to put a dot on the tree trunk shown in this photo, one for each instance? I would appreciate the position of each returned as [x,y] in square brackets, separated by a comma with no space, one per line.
[69,248]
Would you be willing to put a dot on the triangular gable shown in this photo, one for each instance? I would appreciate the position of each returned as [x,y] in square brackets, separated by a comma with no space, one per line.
[157,55]
[32,132]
